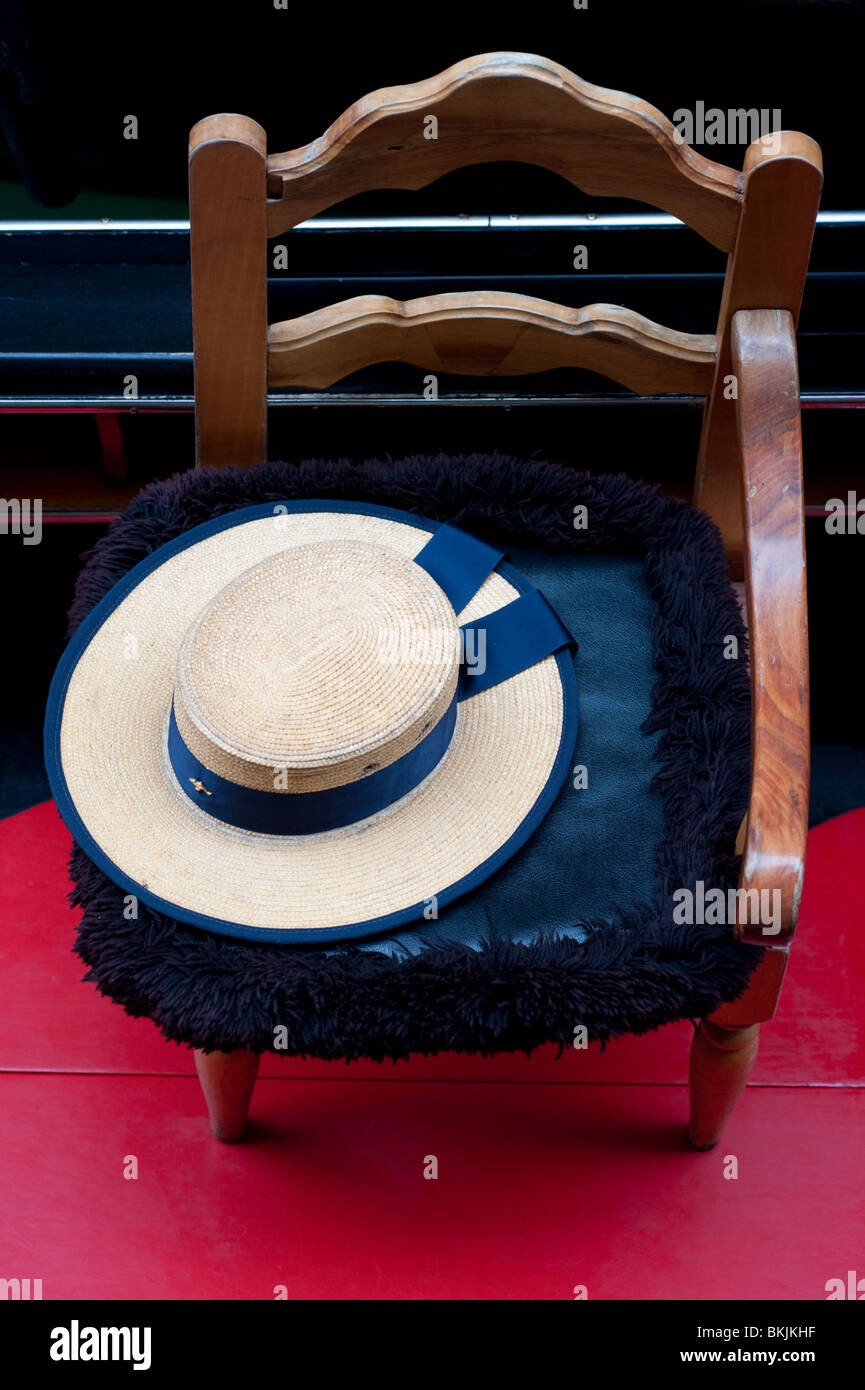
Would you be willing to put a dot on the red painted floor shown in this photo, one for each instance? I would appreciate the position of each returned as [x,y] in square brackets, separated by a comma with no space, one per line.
[541,1187]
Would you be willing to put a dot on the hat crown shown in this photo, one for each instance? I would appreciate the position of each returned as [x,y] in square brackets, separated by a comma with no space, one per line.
[316,667]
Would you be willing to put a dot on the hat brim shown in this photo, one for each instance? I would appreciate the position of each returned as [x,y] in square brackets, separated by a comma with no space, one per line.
[105,755]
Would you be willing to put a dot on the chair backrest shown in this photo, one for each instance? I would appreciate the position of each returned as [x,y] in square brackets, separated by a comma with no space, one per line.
[497,106]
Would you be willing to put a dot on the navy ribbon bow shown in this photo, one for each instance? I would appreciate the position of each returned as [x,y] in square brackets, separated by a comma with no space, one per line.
[494,648]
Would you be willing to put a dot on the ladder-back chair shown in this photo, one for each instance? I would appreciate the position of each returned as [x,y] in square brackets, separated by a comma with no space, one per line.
[518,107]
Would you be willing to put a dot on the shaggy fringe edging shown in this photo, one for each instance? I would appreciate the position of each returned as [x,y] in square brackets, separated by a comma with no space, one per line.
[630,975]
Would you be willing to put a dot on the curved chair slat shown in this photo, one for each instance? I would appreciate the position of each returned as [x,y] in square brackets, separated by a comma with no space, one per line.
[487,333]
[506,106]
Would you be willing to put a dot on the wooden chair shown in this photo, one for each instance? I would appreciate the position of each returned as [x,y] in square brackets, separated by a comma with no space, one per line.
[512,106]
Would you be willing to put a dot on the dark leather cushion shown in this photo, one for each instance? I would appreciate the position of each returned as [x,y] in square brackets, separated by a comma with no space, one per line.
[577,928]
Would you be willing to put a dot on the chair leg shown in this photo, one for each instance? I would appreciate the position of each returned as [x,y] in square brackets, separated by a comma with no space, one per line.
[227,1080]
[721,1062]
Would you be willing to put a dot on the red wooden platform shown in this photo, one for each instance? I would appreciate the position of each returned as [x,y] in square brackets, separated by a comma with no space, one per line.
[552,1174]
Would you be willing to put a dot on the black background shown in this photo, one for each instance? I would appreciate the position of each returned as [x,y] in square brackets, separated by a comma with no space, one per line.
[69,73]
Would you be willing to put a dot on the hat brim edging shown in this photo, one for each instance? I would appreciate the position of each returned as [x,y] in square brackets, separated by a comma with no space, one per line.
[370,926]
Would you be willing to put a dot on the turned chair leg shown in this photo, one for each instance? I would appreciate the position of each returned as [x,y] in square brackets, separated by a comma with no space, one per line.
[721,1062]
[227,1080]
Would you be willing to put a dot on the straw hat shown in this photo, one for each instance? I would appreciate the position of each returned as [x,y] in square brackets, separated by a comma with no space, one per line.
[311,721]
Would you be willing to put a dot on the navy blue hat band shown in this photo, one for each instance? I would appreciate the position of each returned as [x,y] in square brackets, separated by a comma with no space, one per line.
[493,649]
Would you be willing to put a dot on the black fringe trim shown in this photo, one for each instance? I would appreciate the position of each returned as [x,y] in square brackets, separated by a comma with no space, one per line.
[630,975]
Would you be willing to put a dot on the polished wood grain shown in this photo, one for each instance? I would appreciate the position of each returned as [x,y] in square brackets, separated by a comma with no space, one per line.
[487,333]
[227,1082]
[228,231]
[759,1002]
[770,438]
[767,270]
[721,1062]
[506,106]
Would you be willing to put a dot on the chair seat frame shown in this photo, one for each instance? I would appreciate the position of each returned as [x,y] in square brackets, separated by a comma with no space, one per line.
[512,106]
